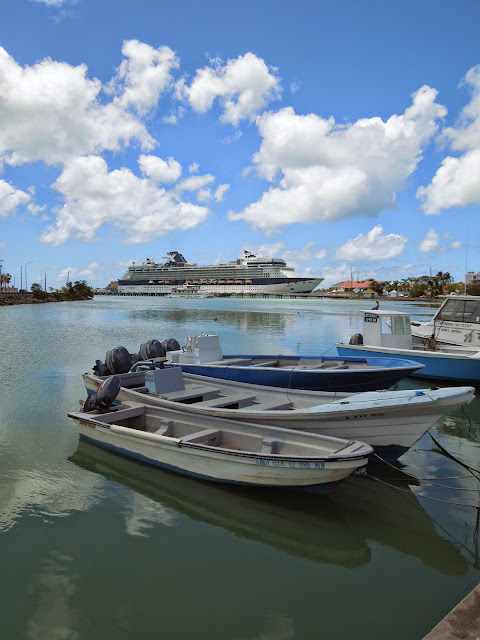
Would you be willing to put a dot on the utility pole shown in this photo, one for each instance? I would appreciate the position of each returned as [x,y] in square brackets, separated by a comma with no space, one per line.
[1,281]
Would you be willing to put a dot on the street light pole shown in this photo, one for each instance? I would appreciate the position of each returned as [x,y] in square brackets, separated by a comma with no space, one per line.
[26,285]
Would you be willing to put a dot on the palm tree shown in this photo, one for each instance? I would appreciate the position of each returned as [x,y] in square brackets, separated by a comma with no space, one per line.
[5,278]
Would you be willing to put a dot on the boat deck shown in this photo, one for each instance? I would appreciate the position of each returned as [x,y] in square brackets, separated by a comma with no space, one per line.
[284,363]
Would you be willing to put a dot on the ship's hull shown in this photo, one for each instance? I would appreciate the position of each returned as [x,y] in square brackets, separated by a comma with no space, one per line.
[263,285]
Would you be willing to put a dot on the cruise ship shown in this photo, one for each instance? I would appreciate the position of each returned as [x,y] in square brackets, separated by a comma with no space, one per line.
[250,274]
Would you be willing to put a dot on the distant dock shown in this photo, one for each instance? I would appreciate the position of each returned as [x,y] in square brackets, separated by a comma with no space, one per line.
[287,296]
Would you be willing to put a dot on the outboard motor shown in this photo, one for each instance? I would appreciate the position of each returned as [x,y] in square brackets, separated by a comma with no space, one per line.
[151,350]
[357,338]
[170,344]
[105,396]
[117,360]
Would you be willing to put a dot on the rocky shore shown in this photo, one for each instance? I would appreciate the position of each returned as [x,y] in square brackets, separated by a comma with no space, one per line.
[8,299]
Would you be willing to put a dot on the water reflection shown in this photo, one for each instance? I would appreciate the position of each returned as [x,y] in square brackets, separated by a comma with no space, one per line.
[293,522]
[392,515]
[55,616]
[204,319]
[331,531]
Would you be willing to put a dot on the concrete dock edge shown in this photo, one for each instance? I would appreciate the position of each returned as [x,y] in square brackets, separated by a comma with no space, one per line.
[462,623]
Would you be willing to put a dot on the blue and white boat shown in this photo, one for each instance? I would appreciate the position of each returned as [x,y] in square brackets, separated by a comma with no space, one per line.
[388,334]
[203,356]
[456,322]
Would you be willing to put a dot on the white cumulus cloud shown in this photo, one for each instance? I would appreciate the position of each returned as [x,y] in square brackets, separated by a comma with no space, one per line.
[195,183]
[143,76]
[137,206]
[456,183]
[244,86]
[430,241]
[330,171]
[51,112]
[55,3]
[373,246]
[67,275]
[11,198]
[160,170]
[220,192]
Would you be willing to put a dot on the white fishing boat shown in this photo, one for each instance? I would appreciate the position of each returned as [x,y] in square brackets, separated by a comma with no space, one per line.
[389,421]
[456,322]
[223,450]
[388,334]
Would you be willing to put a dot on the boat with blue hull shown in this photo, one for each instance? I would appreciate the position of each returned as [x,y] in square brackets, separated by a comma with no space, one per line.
[203,355]
[388,334]
[390,421]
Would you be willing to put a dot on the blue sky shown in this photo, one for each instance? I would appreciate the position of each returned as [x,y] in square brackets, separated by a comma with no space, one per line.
[343,136]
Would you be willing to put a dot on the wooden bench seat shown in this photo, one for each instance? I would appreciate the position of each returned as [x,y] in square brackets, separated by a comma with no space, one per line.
[206,392]
[198,436]
[245,362]
[240,399]
[271,405]
[268,363]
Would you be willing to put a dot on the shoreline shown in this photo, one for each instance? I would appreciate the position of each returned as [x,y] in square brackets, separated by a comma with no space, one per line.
[12,299]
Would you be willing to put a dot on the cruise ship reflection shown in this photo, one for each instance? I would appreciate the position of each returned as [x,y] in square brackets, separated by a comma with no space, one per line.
[290,521]
[255,321]
[336,530]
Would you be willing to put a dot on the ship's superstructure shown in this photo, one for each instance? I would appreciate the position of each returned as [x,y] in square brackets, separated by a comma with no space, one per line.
[250,274]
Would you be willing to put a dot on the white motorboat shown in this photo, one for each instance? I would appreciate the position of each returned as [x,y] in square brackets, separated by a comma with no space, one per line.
[388,334]
[188,291]
[389,421]
[456,322]
[223,450]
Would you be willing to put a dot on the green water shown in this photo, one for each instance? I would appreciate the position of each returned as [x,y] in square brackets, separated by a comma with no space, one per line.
[93,545]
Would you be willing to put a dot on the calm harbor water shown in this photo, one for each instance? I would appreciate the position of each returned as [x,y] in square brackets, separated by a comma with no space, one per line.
[95,546]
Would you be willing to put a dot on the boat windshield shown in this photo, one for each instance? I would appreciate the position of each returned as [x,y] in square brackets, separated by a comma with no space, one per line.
[461,311]
[395,325]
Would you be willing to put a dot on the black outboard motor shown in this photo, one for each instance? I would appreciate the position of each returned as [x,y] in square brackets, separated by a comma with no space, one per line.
[117,360]
[357,338]
[105,396]
[150,350]
[170,344]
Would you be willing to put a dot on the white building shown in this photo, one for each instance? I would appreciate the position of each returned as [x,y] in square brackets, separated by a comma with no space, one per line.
[471,277]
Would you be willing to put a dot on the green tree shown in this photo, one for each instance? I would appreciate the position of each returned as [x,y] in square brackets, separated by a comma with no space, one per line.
[473,289]
[5,279]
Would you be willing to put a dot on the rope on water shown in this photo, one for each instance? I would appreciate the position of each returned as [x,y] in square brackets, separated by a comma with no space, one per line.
[453,504]
[468,429]
[472,470]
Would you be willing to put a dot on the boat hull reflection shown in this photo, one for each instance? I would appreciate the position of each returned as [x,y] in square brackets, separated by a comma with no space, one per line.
[336,530]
